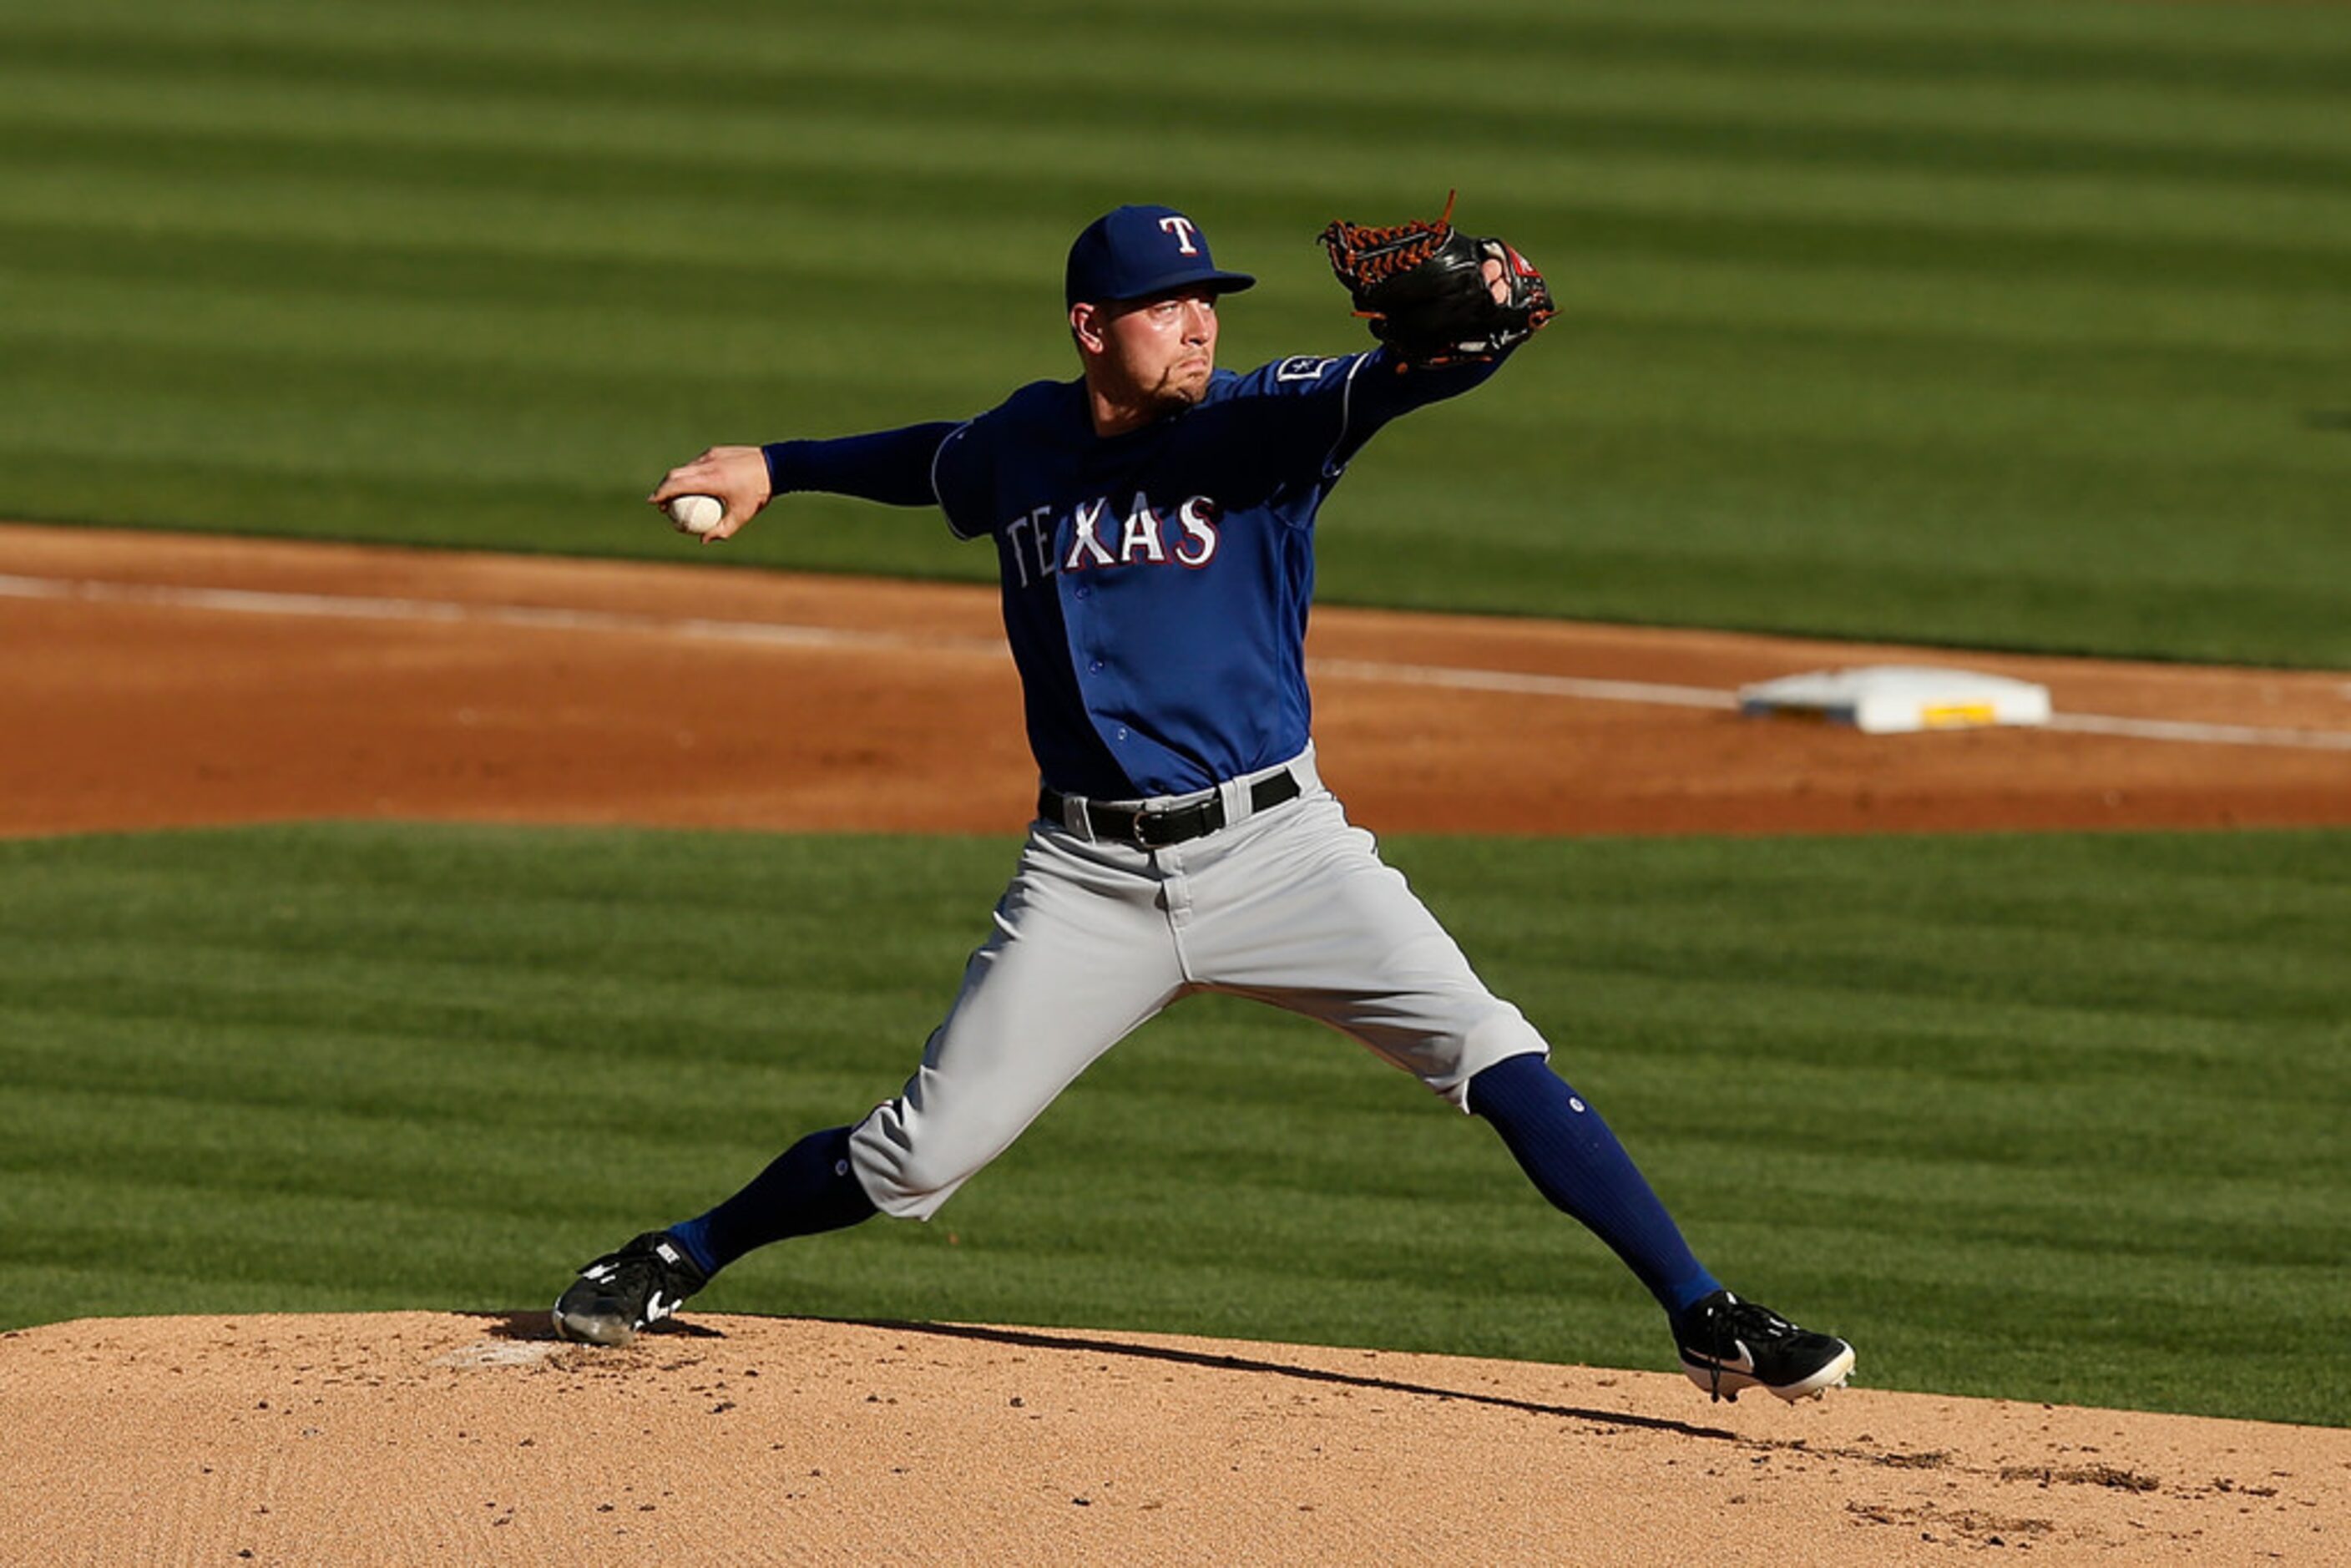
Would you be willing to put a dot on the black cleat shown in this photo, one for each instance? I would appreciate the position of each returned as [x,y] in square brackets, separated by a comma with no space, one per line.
[622,1291]
[1728,1344]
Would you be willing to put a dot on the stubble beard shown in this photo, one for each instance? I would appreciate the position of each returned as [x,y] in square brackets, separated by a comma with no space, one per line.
[1180,389]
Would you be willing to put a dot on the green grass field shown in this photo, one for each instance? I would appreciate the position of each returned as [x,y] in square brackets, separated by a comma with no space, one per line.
[2049,1118]
[2008,324]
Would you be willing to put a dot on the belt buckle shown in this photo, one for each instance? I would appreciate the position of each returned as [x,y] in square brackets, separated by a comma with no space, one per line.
[1135,830]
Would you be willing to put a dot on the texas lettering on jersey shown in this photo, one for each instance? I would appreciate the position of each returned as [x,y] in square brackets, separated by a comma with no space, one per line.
[1088,536]
[1139,683]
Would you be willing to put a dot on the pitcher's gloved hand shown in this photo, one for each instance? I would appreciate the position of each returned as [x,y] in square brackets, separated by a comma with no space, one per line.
[1434,295]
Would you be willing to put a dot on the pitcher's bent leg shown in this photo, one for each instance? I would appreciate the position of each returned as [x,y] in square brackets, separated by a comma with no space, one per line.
[1309,919]
[1079,960]
[805,1191]
[1576,1161]
[1350,944]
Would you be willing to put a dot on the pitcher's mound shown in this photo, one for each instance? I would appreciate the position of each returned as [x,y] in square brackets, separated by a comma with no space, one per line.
[419,1438]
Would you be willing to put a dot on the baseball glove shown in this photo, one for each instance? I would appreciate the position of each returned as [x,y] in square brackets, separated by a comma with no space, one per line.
[1423,288]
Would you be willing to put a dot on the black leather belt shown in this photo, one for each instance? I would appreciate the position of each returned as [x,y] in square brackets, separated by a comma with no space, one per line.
[1176,824]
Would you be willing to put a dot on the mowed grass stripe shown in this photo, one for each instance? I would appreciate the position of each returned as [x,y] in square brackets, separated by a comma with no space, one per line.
[484,200]
[1881,1082]
[813,86]
[807,123]
[484,300]
[2271,55]
[111,96]
[517,71]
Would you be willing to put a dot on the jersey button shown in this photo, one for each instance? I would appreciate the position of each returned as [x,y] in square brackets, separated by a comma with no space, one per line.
[1096,666]
[1084,592]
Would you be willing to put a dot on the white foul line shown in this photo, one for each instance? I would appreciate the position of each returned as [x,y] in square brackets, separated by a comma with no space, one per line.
[2208,734]
[363,607]
[1531,686]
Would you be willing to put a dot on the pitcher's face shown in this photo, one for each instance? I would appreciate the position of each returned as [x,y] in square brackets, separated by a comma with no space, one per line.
[1162,350]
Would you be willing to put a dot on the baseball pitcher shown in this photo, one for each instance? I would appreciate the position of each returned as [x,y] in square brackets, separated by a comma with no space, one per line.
[1154,525]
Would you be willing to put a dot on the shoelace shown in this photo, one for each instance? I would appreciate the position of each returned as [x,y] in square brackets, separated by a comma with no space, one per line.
[1733,1322]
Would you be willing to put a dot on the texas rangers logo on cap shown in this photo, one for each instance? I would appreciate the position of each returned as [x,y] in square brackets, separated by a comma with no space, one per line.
[1133,252]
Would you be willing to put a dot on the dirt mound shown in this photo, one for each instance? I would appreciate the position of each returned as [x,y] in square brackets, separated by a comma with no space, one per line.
[419,1438]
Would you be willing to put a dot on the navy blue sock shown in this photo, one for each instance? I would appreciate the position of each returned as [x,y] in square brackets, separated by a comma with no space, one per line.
[806,1189]
[1576,1162]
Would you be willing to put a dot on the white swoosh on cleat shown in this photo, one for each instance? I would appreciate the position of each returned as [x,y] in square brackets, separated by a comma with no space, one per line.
[1743,1363]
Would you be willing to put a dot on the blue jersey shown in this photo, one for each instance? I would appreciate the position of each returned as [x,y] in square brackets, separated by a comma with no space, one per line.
[1155,583]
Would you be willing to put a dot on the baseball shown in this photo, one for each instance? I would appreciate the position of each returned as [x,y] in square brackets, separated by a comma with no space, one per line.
[696,515]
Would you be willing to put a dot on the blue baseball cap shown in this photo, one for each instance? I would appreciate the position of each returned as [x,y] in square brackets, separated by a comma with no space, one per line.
[1131,252]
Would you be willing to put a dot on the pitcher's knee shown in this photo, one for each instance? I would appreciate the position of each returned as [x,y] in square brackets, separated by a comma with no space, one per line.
[1503,1035]
[908,1164]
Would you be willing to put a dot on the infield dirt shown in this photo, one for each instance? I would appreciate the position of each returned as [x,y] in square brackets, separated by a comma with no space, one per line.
[165,680]
[176,680]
